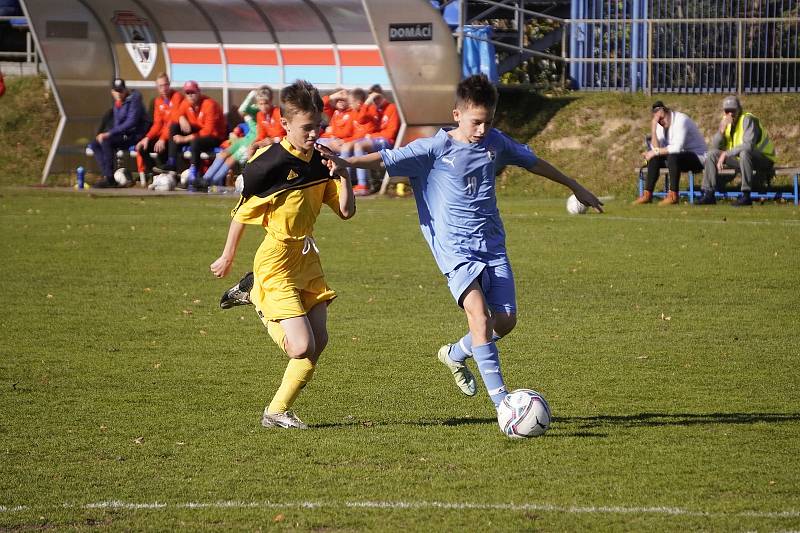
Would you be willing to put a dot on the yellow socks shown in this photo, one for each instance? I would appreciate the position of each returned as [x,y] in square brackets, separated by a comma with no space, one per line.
[298,374]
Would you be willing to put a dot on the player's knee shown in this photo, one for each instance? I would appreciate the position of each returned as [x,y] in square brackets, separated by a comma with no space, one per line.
[300,350]
[746,155]
[504,323]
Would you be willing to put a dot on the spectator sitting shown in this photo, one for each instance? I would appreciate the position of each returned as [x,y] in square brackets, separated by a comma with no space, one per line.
[340,126]
[270,129]
[2,85]
[165,108]
[240,149]
[127,125]
[741,143]
[388,124]
[676,144]
[200,124]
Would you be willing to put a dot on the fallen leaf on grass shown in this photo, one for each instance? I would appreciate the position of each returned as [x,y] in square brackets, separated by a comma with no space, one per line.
[195,301]
[147,289]
[157,365]
[138,440]
[278,517]
[187,312]
[49,296]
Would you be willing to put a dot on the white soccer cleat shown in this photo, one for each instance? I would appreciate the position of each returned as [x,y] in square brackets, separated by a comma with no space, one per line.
[285,420]
[462,375]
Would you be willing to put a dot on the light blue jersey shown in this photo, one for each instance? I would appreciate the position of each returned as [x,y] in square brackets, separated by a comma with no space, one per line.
[454,187]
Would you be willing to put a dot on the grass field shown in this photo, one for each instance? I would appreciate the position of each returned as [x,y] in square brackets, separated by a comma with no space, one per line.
[664,339]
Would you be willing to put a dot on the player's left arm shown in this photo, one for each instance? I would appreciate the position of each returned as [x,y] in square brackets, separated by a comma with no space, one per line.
[584,196]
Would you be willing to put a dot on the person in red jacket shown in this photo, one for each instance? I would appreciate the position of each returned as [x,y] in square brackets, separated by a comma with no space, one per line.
[268,123]
[340,125]
[200,124]
[165,109]
[383,137]
[2,85]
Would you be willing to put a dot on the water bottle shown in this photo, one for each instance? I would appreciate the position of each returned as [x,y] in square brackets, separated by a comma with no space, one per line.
[192,178]
[81,173]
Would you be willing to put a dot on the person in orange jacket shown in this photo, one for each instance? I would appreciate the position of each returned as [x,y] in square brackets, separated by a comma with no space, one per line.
[200,124]
[383,137]
[340,124]
[165,109]
[2,85]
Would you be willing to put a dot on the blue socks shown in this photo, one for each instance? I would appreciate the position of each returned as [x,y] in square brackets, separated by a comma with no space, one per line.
[216,173]
[488,360]
[462,350]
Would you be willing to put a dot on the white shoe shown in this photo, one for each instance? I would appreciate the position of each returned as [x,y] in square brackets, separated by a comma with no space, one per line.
[464,378]
[286,420]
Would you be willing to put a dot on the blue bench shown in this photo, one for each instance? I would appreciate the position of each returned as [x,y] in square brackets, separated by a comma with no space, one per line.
[772,193]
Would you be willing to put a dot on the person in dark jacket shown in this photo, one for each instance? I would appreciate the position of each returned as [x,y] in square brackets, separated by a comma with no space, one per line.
[128,126]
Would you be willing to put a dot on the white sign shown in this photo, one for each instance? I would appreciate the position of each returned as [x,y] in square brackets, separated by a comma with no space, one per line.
[138,39]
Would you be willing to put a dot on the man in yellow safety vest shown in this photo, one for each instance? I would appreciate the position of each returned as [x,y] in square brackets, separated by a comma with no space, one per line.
[741,143]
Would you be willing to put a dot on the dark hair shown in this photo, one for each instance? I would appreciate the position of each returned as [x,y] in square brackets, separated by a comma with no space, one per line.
[300,97]
[658,104]
[359,94]
[376,89]
[477,91]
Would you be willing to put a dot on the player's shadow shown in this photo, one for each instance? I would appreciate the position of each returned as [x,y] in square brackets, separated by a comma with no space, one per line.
[593,425]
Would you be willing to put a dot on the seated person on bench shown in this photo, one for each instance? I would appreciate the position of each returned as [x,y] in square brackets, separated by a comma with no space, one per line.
[676,144]
[741,143]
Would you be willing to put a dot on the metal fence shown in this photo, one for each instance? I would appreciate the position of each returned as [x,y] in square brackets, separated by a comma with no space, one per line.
[686,46]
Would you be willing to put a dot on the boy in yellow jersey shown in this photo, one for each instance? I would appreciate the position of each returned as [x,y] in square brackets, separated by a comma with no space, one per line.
[285,186]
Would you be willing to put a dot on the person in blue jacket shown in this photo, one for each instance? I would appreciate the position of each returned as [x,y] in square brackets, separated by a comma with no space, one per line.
[128,125]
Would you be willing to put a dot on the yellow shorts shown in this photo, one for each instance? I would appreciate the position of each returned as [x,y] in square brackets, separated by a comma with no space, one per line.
[288,282]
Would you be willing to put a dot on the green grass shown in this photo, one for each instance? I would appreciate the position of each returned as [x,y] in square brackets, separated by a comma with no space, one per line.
[664,339]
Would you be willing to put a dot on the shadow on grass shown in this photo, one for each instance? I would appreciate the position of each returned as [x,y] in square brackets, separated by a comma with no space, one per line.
[588,426]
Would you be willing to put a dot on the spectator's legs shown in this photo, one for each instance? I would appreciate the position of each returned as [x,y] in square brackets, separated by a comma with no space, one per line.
[360,148]
[710,174]
[106,152]
[218,163]
[147,159]
[681,162]
[653,166]
[202,144]
[173,148]
[749,163]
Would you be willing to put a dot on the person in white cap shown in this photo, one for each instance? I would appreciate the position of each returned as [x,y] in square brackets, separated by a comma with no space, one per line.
[741,143]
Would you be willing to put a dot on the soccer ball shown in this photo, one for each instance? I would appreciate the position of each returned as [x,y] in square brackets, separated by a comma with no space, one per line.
[185,178]
[523,413]
[122,177]
[574,207]
[163,182]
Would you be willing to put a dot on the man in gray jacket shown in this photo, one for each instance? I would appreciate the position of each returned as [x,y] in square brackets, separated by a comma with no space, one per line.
[741,143]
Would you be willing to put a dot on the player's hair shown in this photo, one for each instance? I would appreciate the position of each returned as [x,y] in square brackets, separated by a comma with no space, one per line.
[162,75]
[476,91]
[376,89]
[359,94]
[264,93]
[300,97]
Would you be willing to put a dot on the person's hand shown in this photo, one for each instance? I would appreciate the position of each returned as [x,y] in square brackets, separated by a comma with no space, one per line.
[142,145]
[221,266]
[585,197]
[648,155]
[182,139]
[102,136]
[721,161]
[160,145]
[336,165]
[726,121]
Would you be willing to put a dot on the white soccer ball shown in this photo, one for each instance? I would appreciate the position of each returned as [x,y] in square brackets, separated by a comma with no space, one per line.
[163,182]
[523,413]
[574,207]
[185,177]
[122,177]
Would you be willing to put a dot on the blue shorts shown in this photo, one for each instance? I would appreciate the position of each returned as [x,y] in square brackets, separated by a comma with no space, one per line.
[497,284]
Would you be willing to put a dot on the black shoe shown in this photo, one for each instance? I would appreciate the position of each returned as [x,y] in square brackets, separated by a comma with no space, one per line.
[105,183]
[708,198]
[743,200]
[199,185]
[239,294]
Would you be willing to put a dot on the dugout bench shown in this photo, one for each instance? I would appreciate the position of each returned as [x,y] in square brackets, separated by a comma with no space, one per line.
[768,191]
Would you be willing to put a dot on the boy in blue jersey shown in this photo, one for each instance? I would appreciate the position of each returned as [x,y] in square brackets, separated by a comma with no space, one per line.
[452,176]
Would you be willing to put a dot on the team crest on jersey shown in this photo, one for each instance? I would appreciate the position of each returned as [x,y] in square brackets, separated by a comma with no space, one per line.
[139,41]
[292,175]
[491,155]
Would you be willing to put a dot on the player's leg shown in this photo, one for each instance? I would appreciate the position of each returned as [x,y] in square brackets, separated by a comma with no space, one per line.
[295,337]
[484,348]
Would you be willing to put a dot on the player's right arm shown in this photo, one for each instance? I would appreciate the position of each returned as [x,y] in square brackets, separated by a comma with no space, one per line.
[371,161]
[222,265]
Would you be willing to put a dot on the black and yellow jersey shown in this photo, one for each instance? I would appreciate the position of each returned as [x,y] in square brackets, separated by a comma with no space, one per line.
[284,190]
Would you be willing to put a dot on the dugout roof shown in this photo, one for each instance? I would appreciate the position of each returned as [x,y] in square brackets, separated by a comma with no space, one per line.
[232,46]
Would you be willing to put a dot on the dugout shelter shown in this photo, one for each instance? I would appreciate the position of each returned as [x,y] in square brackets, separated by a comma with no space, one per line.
[232,46]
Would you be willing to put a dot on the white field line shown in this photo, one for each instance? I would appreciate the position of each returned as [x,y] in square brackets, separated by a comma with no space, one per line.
[394,505]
